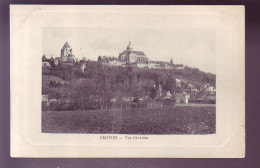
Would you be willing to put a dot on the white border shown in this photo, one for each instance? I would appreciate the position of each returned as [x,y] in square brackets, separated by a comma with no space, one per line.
[27,140]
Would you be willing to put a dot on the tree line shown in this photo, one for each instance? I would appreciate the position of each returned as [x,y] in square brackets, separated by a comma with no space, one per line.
[96,86]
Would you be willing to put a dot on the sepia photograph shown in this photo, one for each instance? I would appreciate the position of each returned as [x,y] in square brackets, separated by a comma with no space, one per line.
[128,81]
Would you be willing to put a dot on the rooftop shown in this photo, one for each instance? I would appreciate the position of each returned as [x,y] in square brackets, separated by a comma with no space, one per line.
[66,45]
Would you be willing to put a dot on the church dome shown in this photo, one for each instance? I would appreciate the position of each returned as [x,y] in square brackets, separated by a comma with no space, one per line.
[129,46]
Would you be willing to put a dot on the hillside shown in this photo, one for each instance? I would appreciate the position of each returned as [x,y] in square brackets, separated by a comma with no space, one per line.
[46,80]
[69,82]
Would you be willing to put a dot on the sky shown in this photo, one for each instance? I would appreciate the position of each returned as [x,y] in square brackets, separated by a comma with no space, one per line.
[194,47]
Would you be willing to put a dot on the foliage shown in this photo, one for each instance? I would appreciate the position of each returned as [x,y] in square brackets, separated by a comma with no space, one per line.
[171,61]
[170,84]
[95,86]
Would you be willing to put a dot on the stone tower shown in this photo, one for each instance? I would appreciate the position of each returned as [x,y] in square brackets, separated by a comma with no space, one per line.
[66,51]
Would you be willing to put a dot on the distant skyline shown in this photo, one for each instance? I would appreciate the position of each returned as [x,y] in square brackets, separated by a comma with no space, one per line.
[194,47]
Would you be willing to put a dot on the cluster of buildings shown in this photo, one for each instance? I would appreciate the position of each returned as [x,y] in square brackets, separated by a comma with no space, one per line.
[136,59]
[205,94]
[129,57]
[66,57]
[189,94]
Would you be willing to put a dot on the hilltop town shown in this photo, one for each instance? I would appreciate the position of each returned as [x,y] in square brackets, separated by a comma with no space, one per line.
[131,78]
[129,57]
[136,59]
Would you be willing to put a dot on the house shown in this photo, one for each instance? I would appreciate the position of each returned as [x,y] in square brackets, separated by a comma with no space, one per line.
[178,82]
[168,66]
[182,98]
[127,99]
[211,99]
[194,90]
[45,98]
[54,100]
[113,99]
[178,66]
[144,98]
[116,63]
[154,64]
[168,94]
[141,65]
[111,61]
[210,89]
[46,64]
[190,86]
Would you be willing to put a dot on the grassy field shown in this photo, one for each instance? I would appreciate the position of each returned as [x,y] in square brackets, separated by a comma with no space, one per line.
[177,120]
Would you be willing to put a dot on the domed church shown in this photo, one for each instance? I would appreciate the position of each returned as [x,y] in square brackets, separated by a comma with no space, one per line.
[130,56]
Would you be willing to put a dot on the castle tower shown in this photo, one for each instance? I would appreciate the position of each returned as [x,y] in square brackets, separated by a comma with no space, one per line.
[66,51]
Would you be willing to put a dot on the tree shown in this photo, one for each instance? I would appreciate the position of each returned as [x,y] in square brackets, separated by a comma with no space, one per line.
[44,58]
[170,84]
[153,92]
[82,90]
[99,59]
[171,61]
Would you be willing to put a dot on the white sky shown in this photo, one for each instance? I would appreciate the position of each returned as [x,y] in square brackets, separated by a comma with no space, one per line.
[194,47]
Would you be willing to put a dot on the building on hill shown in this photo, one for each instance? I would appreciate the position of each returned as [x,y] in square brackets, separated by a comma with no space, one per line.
[138,59]
[66,51]
[110,61]
[107,58]
[66,54]
[45,62]
[178,66]
[130,56]
[163,65]
[154,64]
[142,65]
[159,65]
[178,83]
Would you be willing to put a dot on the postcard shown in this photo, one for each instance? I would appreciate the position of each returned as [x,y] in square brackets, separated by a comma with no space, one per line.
[127,81]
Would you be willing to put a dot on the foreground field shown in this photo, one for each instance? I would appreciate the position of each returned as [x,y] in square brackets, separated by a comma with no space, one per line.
[177,120]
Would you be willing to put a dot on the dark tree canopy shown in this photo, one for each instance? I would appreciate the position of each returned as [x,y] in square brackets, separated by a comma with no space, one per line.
[171,61]
[102,84]
[170,84]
